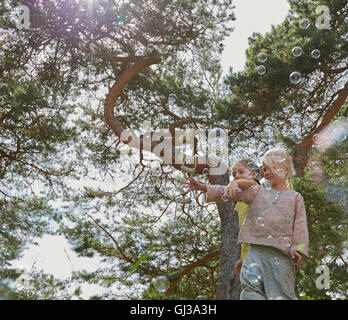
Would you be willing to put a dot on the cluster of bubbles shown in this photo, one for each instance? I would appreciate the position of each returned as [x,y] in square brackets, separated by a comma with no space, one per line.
[295,77]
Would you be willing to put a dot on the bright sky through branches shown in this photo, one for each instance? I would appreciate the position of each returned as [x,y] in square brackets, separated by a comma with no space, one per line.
[252,16]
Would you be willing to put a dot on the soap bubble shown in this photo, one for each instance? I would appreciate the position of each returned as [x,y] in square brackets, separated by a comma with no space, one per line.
[295,77]
[254,274]
[315,53]
[252,165]
[262,57]
[286,241]
[225,197]
[260,221]
[276,261]
[279,157]
[196,92]
[280,173]
[296,51]
[261,69]
[200,297]
[315,165]
[266,184]
[205,171]
[304,24]
[161,284]
[171,98]
[150,47]
[213,161]
[175,226]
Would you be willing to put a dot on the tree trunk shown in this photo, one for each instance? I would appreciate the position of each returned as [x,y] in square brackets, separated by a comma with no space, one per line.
[229,285]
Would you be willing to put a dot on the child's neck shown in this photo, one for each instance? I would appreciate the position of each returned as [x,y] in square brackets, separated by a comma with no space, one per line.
[280,187]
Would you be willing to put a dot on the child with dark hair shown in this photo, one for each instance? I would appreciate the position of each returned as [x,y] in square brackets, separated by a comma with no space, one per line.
[247,171]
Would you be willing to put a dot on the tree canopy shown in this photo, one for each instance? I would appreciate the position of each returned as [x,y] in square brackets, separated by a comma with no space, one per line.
[86,71]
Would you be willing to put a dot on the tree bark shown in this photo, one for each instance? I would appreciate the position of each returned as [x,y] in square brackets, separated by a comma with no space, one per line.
[229,284]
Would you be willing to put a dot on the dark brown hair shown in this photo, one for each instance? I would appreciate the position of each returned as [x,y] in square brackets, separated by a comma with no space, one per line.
[256,168]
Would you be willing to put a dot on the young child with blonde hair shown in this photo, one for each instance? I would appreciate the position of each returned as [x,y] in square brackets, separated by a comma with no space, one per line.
[275,228]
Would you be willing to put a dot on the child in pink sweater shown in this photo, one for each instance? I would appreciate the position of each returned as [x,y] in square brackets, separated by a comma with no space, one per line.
[275,227]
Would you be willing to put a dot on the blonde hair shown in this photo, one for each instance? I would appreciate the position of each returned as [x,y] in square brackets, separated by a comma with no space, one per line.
[280,156]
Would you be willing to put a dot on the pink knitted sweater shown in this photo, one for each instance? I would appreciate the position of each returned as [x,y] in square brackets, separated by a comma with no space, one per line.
[275,218]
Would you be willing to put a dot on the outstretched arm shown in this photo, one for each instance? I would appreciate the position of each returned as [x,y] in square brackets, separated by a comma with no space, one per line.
[236,185]
[245,184]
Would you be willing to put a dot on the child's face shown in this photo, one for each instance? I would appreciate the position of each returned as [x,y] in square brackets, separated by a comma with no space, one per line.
[240,171]
[276,177]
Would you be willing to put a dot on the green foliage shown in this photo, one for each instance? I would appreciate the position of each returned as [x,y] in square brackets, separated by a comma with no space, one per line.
[53,83]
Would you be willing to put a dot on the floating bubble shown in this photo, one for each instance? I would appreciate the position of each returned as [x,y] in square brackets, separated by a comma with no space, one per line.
[251,165]
[161,284]
[280,173]
[279,157]
[286,241]
[254,274]
[213,161]
[296,51]
[260,221]
[304,24]
[200,297]
[266,184]
[261,69]
[295,77]
[315,53]
[225,197]
[316,138]
[171,98]
[276,261]
[196,92]
[205,171]
[262,57]
[315,165]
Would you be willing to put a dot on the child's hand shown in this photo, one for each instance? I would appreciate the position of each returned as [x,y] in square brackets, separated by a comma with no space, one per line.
[194,184]
[238,267]
[297,257]
[232,189]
